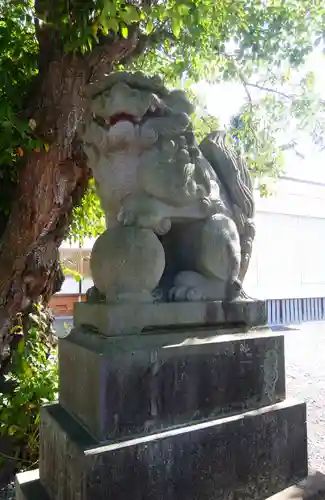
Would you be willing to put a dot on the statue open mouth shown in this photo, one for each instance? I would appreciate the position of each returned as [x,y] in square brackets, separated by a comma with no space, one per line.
[155,112]
[113,120]
[122,117]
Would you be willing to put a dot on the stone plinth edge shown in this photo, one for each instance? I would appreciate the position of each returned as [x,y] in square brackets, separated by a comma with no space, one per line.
[250,455]
[29,487]
[128,319]
[312,488]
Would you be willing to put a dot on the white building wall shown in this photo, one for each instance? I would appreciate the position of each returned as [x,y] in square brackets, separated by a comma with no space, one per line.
[71,286]
[288,258]
[289,252]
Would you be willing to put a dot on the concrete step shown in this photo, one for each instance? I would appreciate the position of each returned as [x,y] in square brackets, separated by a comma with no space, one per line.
[312,488]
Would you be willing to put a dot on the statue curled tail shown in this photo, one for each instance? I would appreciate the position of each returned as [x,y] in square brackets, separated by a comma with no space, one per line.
[235,180]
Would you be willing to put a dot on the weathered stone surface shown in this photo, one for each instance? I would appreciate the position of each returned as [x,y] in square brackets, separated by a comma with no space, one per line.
[248,456]
[29,487]
[312,487]
[137,262]
[117,388]
[127,319]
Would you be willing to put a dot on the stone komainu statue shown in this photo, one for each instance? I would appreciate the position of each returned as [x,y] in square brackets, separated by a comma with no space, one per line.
[179,215]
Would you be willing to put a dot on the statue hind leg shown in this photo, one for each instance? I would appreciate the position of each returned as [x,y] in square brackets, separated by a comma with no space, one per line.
[216,266]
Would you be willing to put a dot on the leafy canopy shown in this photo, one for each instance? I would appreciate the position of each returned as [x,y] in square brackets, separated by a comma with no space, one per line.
[254,42]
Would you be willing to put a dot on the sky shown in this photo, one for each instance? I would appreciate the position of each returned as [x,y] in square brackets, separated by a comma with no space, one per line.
[224,100]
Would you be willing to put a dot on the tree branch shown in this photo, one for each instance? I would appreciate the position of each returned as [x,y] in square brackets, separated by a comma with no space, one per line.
[148,41]
[270,90]
[102,59]
[292,146]
[50,44]
[247,84]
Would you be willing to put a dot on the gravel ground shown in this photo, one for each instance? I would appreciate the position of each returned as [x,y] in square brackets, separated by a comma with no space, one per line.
[305,366]
[305,374]
[8,493]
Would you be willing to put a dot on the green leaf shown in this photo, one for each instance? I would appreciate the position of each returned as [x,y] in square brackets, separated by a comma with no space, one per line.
[130,14]
[110,7]
[149,27]
[21,346]
[70,272]
[111,24]
[176,26]
[124,31]
[183,9]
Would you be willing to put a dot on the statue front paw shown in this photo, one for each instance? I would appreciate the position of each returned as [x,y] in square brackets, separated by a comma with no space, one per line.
[126,217]
[185,294]
[159,225]
[93,296]
[145,212]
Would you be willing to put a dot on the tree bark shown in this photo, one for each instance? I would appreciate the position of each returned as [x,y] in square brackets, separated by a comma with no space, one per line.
[50,184]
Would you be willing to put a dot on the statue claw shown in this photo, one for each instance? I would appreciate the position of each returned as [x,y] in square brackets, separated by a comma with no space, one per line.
[129,218]
[125,217]
[185,294]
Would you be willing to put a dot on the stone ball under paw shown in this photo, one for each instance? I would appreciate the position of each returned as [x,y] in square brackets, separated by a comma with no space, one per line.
[127,261]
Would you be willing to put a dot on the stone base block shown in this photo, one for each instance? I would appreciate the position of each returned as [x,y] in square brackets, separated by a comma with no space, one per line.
[248,456]
[29,487]
[130,319]
[311,488]
[117,387]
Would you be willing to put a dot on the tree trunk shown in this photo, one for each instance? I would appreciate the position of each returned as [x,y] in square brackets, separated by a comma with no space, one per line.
[50,184]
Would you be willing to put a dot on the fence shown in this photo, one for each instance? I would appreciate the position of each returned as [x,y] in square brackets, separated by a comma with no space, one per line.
[291,311]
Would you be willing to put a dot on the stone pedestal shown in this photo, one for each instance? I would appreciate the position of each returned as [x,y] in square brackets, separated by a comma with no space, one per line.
[195,413]
[119,387]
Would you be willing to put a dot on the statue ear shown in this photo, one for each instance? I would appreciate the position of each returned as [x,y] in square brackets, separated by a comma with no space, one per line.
[178,102]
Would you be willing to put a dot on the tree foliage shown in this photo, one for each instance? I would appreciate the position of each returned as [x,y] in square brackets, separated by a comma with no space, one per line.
[257,43]
[33,380]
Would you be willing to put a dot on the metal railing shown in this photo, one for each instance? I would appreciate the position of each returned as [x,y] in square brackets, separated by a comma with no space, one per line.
[293,311]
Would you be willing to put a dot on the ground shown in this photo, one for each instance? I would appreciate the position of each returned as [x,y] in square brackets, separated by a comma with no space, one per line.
[305,366]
